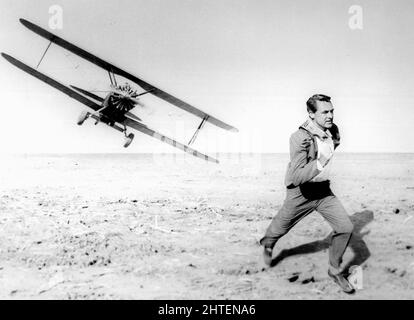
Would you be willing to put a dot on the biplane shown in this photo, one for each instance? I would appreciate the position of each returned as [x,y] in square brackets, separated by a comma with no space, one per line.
[115,108]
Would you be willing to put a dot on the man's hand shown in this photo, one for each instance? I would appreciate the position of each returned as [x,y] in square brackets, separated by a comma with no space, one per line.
[335,134]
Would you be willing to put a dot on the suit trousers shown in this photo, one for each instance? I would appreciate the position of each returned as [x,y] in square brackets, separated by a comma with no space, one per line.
[304,199]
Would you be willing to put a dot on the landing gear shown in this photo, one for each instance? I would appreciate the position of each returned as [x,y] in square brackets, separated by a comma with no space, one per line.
[82,117]
[128,139]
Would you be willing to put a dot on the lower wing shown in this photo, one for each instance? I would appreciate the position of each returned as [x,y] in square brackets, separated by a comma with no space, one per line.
[71,93]
[144,129]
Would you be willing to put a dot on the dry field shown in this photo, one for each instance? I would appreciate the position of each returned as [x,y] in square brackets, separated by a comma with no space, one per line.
[159,227]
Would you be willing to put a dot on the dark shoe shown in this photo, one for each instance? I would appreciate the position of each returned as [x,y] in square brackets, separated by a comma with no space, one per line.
[267,255]
[342,282]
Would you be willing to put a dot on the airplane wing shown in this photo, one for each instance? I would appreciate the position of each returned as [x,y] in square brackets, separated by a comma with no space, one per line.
[89,94]
[71,93]
[111,68]
[144,129]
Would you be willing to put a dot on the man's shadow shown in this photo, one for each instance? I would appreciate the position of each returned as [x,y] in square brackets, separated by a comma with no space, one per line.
[356,243]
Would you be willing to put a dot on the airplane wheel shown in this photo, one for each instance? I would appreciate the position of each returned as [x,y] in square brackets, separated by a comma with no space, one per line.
[82,117]
[128,140]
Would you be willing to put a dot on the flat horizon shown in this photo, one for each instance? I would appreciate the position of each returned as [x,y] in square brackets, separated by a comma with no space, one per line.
[184,154]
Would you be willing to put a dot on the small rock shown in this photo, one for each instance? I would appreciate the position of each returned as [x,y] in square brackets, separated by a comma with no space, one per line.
[192,266]
[391,270]
[311,279]
[402,274]
[396,211]
[91,263]
[408,247]
[294,277]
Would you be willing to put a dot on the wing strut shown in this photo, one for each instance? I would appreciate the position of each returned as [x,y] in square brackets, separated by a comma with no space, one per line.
[112,78]
[198,129]
[113,75]
[44,53]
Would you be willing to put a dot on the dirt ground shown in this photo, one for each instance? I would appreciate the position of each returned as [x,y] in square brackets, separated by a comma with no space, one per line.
[162,227]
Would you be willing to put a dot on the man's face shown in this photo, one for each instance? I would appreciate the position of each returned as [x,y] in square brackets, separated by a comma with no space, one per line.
[323,116]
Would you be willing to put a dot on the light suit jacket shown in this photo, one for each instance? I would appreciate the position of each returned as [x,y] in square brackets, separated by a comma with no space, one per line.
[303,156]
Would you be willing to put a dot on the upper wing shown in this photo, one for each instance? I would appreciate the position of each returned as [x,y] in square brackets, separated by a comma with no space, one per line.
[144,129]
[110,67]
[71,93]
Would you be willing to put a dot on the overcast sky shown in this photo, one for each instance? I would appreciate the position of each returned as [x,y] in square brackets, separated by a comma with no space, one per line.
[252,64]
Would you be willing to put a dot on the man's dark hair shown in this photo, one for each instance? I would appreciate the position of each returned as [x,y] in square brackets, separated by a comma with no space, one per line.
[311,103]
